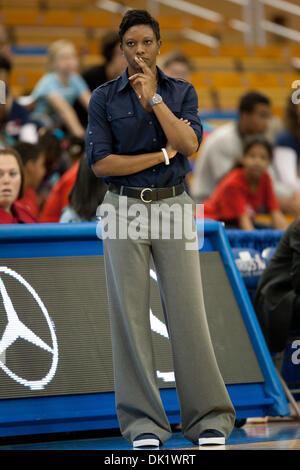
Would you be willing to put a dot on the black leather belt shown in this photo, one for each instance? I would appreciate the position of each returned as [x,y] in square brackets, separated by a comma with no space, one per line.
[147,194]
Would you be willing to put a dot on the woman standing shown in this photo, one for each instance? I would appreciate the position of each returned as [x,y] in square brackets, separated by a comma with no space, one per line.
[142,127]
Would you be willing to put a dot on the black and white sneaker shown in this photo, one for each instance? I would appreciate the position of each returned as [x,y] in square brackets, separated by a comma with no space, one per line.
[146,440]
[211,437]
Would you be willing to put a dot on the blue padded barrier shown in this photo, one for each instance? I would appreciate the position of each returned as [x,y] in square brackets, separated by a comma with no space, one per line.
[256,239]
[272,385]
[96,411]
[264,242]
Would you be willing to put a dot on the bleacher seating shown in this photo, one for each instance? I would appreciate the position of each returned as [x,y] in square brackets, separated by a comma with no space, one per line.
[221,73]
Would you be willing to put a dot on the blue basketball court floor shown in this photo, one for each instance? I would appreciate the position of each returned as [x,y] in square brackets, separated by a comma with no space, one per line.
[276,434]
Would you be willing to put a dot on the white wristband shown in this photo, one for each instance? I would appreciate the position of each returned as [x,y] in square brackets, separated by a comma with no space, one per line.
[167,161]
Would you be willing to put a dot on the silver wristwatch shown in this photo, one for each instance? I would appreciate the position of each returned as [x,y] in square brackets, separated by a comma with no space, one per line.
[156,99]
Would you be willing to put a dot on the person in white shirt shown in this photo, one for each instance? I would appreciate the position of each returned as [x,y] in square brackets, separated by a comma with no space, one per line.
[224,146]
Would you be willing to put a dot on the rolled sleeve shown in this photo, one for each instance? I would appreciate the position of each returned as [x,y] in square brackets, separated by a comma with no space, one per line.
[99,140]
[191,113]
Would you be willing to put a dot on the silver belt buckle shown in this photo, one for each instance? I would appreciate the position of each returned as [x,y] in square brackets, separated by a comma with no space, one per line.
[142,192]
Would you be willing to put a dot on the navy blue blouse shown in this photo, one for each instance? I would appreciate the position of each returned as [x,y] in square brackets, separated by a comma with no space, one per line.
[119,124]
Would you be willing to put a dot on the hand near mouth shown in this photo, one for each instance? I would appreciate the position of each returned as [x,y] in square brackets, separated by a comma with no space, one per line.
[144,83]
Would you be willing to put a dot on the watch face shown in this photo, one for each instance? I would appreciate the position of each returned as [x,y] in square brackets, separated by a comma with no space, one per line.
[157,98]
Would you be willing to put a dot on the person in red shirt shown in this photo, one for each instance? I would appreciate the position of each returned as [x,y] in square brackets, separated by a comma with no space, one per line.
[245,191]
[33,159]
[59,194]
[12,211]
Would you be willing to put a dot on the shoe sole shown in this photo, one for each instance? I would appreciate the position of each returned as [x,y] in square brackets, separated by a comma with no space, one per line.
[205,441]
[146,443]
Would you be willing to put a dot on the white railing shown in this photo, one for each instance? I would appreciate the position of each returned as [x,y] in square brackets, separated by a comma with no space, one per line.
[193,9]
[260,25]
[114,7]
[281,30]
[201,38]
[283,5]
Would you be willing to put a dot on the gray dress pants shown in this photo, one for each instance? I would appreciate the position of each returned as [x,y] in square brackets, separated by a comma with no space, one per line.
[204,401]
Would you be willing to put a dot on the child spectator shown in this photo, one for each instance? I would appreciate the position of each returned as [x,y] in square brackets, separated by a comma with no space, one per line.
[86,195]
[34,171]
[56,92]
[12,211]
[245,191]
[224,145]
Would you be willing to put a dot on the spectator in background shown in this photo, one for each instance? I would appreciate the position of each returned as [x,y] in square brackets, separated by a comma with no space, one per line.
[177,65]
[58,197]
[246,190]
[224,145]
[12,211]
[286,167]
[277,299]
[113,66]
[15,123]
[56,92]
[56,161]
[34,171]
[86,195]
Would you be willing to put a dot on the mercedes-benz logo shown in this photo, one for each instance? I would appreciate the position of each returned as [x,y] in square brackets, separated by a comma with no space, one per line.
[160,328]
[16,329]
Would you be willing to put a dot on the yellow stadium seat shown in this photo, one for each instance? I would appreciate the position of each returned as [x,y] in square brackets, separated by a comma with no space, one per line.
[25,78]
[217,64]
[204,98]
[43,36]
[19,17]
[227,79]
[62,18]
[188,48]
[253,64]
[269,51]
[257,80]
[201,79]
[235,50]
[170,22]
[99,19]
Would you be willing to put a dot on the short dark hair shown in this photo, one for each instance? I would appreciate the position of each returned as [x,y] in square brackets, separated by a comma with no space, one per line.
[5,64]
[28,151]
[108,43]
[137,17]
[15,153]
[257,141]
[250,100]
[177,56]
